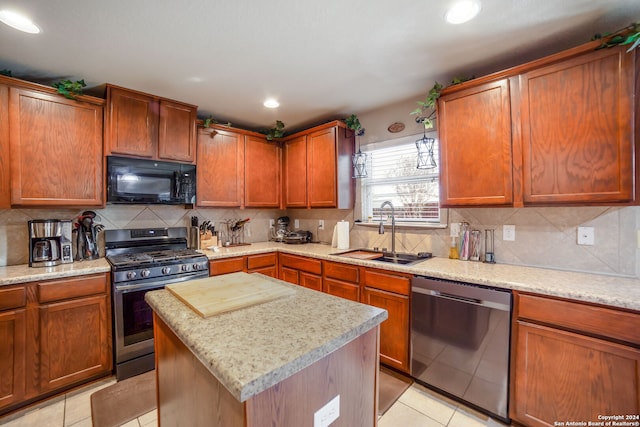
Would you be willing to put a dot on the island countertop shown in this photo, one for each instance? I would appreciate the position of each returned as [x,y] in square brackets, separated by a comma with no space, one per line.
[252,349]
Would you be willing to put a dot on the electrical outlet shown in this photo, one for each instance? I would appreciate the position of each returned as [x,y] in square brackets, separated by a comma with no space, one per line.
[454,229]
[272,223]
[326,415]
[296,224]
[321,224]
[509,232]
[586,236]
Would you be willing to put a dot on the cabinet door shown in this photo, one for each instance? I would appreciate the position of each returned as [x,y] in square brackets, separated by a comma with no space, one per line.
[262,168]
[177,134]
[322,169]
[475,146]
[565,376]
[342,289]
[12,356]
[290,275]
[56,150]
[220,172]
[311,281]
[132,123]
[5,171]
[75,342]
[295,172]
[577,129]
[394,332]
[267,271]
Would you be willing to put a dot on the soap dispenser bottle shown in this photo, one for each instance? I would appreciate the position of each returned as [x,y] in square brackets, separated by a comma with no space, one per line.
[453,251]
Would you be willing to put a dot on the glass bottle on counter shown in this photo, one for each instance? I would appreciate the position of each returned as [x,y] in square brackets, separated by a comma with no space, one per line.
[453,250]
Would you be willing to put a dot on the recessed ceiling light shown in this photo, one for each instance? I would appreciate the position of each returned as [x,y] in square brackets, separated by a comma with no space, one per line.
[271,103]
[462,11]
[18,21]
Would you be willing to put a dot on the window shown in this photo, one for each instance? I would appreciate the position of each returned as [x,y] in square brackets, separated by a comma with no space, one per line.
[393,176]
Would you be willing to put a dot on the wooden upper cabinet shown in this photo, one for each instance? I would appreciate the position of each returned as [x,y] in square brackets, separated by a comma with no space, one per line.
[556,131]
[295,172]
[177,135]
[5,171]
[317,168]
[55,149]
[577,129]
[146,126]
[475,146]
[262,169]
[132,123]
[322,168]
[220,172]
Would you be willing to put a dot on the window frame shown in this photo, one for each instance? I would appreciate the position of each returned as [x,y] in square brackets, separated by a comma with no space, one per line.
[364,183]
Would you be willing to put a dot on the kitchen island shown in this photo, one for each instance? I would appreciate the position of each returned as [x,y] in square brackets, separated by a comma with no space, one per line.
[278,363]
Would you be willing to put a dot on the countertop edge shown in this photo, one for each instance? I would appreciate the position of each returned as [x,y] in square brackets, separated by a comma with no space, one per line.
[181,318]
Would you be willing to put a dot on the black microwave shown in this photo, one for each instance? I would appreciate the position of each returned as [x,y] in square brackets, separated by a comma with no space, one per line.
[139,181]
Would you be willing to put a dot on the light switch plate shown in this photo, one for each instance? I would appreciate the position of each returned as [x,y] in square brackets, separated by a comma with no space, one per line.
[330,412]
[321,224]
[509,232]
[586,236]
[296,223]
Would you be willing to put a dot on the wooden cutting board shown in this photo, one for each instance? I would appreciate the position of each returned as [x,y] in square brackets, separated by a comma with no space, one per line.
[220,294]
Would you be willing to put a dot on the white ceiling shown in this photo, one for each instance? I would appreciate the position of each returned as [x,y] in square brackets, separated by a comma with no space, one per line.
[322,59]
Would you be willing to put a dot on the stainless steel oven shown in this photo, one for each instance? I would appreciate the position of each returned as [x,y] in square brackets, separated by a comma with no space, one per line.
[460,337]
[143,260]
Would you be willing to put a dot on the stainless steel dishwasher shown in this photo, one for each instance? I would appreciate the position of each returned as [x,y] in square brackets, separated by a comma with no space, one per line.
[460,342]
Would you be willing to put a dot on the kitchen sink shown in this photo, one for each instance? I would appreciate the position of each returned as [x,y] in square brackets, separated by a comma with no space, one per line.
[386,257]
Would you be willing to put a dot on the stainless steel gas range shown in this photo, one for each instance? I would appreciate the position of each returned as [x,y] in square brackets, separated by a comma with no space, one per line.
[143,260]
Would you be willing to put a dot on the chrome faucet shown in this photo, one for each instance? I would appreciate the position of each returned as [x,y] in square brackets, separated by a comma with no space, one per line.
[393,225]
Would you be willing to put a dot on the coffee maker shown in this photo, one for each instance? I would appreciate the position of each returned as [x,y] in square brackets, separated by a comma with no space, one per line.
[49,242]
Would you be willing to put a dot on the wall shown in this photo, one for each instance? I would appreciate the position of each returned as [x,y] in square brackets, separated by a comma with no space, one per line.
[13,223]
[545,237]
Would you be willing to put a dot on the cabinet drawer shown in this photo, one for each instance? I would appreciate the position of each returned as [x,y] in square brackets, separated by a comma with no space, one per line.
[301,263]
[311,281]
[345,272]
[262,260]
[13,298]
[601,321]
[342,289]
[224,266]
[72,288]
[386,281]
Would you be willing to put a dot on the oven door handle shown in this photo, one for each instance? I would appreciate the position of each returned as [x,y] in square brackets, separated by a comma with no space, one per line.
[464,300]
[140,287]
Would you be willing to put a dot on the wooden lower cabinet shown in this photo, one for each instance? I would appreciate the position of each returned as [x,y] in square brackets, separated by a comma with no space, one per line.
[261,263]
[53,335]
[342,280]
[390,290]
[301,271]
[572,372]
[73,341]
[226,266]
[13,346]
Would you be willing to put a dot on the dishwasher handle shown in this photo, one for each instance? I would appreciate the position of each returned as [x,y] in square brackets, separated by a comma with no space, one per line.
[464,300]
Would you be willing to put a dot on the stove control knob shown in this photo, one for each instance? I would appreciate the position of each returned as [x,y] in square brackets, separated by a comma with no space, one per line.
[166,270]
[131,275]
[186,267]
[145,273]
[196,267]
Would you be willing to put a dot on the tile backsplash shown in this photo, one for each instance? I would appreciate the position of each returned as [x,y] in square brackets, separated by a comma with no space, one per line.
[545,237]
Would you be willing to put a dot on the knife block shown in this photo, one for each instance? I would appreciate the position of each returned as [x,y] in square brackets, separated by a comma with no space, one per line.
[207,240]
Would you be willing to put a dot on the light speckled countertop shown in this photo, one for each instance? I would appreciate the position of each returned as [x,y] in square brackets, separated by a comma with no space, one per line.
[254,348]
[615,291]
[15,274]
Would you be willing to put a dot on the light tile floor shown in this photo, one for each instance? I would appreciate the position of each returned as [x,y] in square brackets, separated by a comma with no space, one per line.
[417,407]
